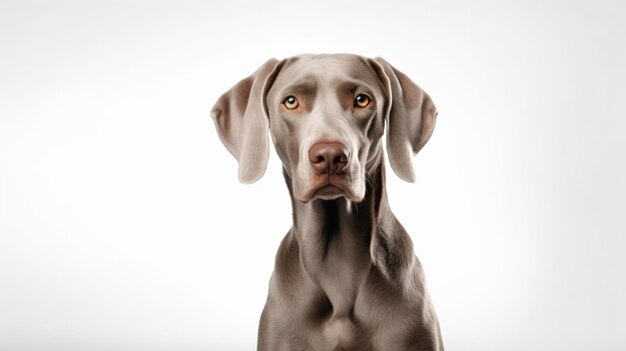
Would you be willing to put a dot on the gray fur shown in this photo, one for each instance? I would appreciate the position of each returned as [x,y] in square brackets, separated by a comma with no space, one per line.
[345,277]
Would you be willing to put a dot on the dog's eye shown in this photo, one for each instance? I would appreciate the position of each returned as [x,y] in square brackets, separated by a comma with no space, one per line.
[362,100]
[290,102]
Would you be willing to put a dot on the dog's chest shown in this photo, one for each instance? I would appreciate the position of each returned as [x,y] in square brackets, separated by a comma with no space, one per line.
[341,279]
[352,334]
[340,333]
[342,274]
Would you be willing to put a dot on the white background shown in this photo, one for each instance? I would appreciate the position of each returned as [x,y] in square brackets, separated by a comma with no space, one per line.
[123,226]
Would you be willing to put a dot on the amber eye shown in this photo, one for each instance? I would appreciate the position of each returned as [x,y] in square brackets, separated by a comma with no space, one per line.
[362,100]
[290,102]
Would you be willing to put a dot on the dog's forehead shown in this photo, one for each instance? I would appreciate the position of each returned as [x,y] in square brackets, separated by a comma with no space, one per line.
[326,68]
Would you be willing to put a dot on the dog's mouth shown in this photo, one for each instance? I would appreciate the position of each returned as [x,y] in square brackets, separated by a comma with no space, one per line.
[329,187]
[328,192]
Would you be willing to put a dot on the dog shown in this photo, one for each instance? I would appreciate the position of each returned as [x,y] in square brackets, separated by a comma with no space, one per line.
[345,276]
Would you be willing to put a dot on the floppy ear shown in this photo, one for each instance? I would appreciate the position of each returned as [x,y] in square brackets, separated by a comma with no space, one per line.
[242,123]
[411,116]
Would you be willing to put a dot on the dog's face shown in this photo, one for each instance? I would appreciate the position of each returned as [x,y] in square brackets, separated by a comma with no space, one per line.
[326,115]
[326,121]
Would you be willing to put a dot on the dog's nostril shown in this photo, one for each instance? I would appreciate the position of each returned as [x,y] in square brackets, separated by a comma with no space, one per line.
[329,157]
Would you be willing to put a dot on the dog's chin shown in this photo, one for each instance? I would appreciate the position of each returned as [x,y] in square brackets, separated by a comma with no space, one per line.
[331,188]
[328,192]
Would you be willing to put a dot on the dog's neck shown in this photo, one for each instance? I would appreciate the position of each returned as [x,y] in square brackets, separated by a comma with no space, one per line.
[341,241]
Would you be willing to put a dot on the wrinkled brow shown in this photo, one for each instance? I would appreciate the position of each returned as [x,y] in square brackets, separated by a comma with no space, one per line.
[304,87]
[355,84]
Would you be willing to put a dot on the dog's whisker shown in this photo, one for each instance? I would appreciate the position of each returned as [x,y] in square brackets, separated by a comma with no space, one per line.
[368,180]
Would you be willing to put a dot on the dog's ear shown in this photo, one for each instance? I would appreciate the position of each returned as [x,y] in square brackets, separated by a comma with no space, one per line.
[410,117]
[242,123]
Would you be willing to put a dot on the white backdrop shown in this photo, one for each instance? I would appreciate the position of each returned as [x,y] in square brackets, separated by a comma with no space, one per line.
[123,226]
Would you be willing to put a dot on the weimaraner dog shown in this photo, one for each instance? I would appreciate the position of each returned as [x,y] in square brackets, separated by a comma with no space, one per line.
[345,276]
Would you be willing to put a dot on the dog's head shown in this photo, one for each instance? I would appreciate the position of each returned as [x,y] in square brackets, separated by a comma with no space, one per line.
[326,115]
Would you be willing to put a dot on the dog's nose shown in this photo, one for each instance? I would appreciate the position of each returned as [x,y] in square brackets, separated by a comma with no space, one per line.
[329,157]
